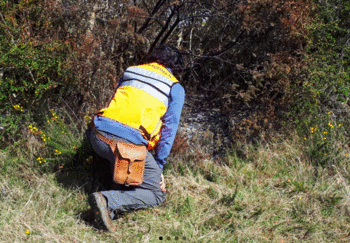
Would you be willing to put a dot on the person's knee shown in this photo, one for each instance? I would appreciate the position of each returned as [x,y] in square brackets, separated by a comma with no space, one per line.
[160,197]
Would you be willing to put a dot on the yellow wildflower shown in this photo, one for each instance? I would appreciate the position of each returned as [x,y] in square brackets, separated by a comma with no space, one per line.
[57,152]
[18,108]
[40,160]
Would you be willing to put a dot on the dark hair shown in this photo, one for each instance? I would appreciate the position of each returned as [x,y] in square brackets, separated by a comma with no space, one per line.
[168,56]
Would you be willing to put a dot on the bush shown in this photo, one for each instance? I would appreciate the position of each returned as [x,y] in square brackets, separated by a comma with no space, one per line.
[33,64]
[322,109]
[62,142]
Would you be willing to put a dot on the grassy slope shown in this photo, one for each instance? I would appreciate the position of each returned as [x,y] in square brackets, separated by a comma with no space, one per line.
[272,193]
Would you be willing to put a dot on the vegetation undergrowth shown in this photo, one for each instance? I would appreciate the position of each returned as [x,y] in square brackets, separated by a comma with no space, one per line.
[293,188]
[270,192]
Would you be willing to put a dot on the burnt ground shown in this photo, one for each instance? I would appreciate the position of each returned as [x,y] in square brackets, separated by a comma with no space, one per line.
[206,125]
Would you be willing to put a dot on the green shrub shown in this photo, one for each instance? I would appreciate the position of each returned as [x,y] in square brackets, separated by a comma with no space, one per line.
[323,106]
[62,141]
[32,64]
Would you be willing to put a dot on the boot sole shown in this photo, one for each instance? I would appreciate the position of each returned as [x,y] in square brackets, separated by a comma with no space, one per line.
[99,207]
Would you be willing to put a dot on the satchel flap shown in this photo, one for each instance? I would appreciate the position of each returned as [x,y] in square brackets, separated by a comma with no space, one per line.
[131,151]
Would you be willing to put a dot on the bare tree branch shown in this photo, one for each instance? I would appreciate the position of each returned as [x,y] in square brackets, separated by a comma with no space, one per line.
[155,10]
[228,47]
[163,29]
[215,55]
[177,21]
[208,16]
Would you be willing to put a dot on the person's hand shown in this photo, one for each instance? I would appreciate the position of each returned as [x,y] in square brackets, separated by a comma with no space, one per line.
[162,183]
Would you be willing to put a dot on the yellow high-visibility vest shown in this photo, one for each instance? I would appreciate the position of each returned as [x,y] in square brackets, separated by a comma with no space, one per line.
[142,99]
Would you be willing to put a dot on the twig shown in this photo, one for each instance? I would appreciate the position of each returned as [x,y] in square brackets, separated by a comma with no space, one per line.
[155,10]
[69,108]
[31,75]
[29,199]
[2,18]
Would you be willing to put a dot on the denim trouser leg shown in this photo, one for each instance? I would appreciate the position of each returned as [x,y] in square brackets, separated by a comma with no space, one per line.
[125,198]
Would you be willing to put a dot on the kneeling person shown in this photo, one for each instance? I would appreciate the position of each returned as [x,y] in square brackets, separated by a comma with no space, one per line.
[143,115]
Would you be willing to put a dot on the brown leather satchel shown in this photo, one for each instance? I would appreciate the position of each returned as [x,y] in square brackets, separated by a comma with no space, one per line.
[129,161]
[129,164]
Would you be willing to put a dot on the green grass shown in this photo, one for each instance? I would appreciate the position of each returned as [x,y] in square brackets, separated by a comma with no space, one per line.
[271,192]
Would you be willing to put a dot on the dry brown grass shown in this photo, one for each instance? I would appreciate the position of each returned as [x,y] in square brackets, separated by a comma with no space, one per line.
[270,193]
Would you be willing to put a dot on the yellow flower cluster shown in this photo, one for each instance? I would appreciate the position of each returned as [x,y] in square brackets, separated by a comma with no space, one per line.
[57,152]
[75,148]
[18,108]
[59,121]
[34,130]
[313,129]
[41,160]
[54,115]
[38,132]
